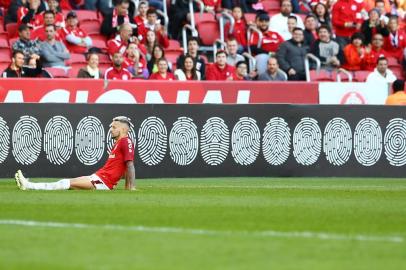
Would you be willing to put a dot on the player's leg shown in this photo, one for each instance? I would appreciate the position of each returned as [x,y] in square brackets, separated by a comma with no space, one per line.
[83,182]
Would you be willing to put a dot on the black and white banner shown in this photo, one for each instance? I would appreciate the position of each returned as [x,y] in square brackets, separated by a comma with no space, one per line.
[65,140]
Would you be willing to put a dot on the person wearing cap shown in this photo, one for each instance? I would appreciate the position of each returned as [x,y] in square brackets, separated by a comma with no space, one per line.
[270,43]
[279,22]
[117,71]
[30,48]
[220,70]
[75,39]
[399,96]
[120,162]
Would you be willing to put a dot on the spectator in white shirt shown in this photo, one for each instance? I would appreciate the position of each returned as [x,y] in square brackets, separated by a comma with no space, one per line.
[279,22]
[381,73]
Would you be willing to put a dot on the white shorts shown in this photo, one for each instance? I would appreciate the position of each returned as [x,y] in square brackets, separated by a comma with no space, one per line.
[98,183]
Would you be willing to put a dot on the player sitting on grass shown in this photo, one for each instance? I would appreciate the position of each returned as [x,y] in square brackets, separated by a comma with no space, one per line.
[120,162]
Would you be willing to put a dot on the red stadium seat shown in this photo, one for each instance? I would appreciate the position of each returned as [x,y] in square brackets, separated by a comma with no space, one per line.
[172,55]
[104,59]
[250,17]
[3,66]
[173,45]
[90,27]
[4,42]
[74,70]
[11,41]
[101,44]
[84,15]
[12,29]
[77,58]
[57,72]
[207,27]
[270,5]
[361,75]
[393,61]
[5,55]
[322,76]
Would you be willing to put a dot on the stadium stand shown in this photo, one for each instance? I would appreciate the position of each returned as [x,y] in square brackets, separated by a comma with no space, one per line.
[211,24]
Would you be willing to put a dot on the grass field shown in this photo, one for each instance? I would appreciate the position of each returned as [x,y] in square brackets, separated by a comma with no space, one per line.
[234,223]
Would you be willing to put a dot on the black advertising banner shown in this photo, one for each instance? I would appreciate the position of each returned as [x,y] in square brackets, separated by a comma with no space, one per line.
[69,140]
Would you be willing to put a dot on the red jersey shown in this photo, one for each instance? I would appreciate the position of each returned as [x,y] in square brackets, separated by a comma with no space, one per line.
[270,40]
[239,32]
[214,72]
[113,73]
[395,43]
[40,34]
[346,11]
[36,21]
[115,167]
[116,45]
[158,76]
[77,32]
[128,63]
[370,59]
[216,4]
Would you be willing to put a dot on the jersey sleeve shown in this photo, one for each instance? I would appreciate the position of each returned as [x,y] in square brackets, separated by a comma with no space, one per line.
[127,148]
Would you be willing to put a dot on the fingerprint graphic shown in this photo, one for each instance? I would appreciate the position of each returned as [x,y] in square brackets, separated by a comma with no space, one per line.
[245,141]
[26,140]
[131,133]
[214,141]
[395,142]
[152,139]
[307,141]
[183,141]
[4,140]
[367,142]
[58,140]
[276,141]
[337,139]
[89,140]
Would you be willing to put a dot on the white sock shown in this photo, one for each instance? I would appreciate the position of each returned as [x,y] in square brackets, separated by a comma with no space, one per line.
[59,185]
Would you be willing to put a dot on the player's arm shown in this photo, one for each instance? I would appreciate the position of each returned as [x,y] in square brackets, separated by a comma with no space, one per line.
[130,175]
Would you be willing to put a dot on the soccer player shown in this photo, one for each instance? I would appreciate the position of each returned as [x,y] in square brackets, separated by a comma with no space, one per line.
[119,163]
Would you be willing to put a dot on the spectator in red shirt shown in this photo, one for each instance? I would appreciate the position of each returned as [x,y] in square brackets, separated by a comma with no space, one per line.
[241,72]
[155,25]
[31,14]
[141,18]
[240,28]
[395,42]
[220,70]
[270,41]
[373,53]
[39,32]
[135,63]
[310,32]
[354,52]
[346,20]
[59,19]
[162,73]
[76,40]
[117,71]
[120,42]
[212,5]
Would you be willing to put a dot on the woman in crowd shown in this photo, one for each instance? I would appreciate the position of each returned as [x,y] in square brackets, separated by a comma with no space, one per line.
[354,52]
[157,53]
[162,74]
[150,42]
[188,72]
[91,71]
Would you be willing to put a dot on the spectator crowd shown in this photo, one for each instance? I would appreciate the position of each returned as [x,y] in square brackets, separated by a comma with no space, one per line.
[127,39]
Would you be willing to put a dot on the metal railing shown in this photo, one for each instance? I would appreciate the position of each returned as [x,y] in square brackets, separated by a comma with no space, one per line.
[184,36]
[346,72]
[307,59]
[251,29]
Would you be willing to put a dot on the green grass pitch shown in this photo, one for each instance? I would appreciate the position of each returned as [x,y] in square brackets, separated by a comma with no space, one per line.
[216,223]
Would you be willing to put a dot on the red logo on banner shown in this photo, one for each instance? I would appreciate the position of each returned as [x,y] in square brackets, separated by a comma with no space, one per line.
[353,97]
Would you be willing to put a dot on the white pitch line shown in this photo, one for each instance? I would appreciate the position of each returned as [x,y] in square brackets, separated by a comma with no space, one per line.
[268,233]
[361,188]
